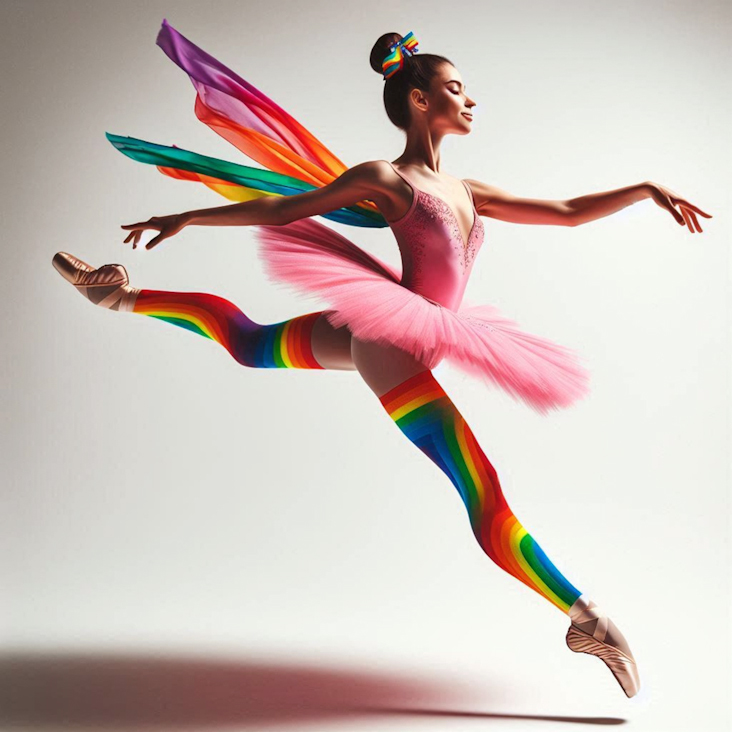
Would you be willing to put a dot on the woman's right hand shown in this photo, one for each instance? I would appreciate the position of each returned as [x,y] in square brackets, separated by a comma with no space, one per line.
[167,226]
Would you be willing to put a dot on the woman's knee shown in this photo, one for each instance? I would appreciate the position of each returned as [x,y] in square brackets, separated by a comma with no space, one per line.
[331,347]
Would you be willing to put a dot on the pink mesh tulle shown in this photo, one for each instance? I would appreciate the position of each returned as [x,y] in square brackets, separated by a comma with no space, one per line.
[365,295]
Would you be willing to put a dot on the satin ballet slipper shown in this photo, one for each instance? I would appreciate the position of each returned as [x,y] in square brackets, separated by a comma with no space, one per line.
[593,632]
[108,286]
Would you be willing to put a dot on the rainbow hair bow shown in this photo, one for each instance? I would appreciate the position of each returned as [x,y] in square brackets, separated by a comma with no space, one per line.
[407,46]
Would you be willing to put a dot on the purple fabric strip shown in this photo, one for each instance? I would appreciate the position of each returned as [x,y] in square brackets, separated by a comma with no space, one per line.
[231,96]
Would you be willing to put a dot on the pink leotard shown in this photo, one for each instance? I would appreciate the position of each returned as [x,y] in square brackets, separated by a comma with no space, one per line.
[436,262]
[420,310]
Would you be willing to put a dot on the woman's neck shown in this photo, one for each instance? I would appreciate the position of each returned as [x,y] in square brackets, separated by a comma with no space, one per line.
[422,150]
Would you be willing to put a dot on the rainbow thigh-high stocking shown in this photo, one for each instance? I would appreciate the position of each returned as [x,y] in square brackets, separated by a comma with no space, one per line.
[427,416]
[280,345]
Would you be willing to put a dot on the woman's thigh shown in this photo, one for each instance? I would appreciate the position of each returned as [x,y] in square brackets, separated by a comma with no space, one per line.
[331,346]
[383,367]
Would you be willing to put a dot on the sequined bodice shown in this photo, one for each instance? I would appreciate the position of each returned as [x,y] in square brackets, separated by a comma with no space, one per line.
[436,261]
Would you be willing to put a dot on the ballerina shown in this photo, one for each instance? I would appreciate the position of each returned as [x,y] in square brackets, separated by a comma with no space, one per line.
[391,326]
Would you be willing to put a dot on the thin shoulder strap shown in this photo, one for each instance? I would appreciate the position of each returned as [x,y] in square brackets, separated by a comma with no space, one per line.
[403,176]
[470,192]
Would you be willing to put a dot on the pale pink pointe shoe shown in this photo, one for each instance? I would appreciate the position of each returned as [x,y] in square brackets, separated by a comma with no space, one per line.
[108,286]
[593,632]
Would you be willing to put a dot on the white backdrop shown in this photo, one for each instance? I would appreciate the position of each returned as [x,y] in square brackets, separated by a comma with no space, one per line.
[187,542]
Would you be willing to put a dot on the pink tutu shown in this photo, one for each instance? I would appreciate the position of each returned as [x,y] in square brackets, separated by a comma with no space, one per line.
[365,294]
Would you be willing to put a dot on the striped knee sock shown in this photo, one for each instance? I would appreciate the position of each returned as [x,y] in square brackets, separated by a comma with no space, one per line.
[281,345]
[427,416]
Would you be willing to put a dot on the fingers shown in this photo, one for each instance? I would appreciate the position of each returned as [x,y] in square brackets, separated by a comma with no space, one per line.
[137,229]
[691,206]
[688,210]
[691,215]
[683,202]
[136,232]
[135,237]
[679,218]
[155,241]
[687,220]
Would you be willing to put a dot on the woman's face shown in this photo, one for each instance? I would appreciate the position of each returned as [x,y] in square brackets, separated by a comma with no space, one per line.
[449,108]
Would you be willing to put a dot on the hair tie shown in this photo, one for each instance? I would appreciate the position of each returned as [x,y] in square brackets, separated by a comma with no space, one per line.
[398,52]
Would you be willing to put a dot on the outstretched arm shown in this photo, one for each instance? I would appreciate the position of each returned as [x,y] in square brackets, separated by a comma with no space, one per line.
[499,204]
[361,182]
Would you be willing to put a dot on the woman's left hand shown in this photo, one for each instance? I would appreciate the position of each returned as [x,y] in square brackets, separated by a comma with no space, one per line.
[667,199]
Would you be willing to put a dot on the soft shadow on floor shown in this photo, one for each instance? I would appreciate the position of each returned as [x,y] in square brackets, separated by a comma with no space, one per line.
[138,691]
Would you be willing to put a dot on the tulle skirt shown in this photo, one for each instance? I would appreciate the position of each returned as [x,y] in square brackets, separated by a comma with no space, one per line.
[365,295]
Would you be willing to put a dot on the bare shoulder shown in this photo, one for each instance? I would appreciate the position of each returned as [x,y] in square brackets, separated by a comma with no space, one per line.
[378,173]
[367,181]
[388,190]
[377,176]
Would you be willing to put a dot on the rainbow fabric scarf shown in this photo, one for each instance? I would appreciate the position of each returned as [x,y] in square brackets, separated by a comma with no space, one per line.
[295,159]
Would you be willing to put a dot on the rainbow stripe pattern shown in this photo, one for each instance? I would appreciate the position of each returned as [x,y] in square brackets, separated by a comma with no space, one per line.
[256,125]
[233,181]
[280,345]
[427,416]
[399,51]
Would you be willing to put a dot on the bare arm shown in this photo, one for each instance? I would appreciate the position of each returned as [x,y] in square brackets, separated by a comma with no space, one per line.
[356,184]
[499,204]
[598,205]
[366,181]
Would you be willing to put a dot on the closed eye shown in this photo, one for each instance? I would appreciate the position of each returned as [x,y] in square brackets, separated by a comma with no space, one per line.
[454,89]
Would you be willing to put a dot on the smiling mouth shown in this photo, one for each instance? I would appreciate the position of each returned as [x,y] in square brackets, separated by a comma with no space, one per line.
[467,115]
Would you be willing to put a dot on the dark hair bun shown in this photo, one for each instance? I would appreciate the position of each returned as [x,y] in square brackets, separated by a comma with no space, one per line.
[381,50]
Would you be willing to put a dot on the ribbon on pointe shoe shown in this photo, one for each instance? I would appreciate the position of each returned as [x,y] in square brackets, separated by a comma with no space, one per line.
[108,286]
[621,664]
[583,612]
